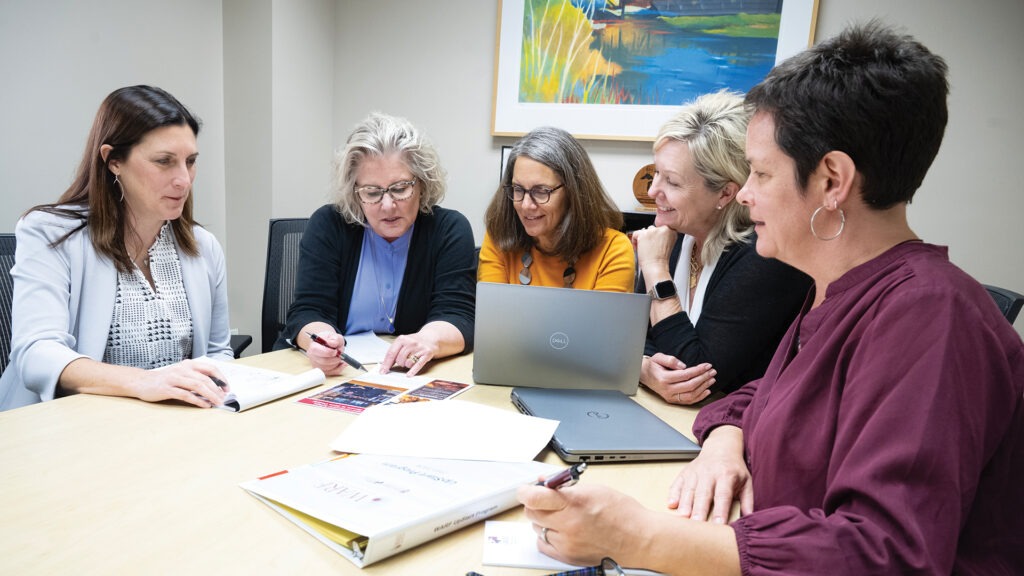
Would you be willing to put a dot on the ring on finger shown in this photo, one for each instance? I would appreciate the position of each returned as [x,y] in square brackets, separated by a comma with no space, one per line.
[414,358]
[544,535]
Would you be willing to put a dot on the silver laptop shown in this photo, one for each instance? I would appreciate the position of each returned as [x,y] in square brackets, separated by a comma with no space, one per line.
[559,337]
[603,426]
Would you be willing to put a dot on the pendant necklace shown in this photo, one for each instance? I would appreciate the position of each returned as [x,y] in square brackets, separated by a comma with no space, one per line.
[695,268]
[568,277]
[380,293]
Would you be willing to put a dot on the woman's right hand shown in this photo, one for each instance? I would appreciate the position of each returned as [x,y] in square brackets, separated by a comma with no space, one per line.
[326,358]
[671,379]
[188,381]
[706,487]
[653,247]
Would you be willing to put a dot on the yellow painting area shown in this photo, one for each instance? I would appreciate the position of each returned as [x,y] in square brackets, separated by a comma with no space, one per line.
[558,65]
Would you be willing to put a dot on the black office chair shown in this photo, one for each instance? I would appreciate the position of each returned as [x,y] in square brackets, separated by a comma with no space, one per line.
[6,296]
[279,281]
[636,220]
[239,342]
[1009,302]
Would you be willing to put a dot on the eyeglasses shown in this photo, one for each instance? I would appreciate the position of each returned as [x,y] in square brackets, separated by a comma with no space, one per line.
[607,567]
[539,194]
[401,190]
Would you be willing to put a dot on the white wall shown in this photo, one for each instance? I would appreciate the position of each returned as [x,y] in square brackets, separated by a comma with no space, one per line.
[279,84]
[60,58]
[279,93]
[436,68]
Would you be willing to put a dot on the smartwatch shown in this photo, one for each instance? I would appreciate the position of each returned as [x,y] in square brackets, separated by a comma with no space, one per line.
[664,289]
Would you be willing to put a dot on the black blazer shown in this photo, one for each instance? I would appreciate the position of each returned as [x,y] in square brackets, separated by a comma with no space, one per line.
[748,306]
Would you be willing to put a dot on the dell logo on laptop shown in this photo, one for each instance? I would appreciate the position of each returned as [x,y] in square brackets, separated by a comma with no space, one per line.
[559,340]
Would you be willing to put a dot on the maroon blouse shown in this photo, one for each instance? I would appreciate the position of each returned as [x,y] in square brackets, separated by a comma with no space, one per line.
[892,442]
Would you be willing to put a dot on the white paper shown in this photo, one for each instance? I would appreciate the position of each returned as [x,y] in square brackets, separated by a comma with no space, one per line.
[366,347]
[449,429]
[514,544]
[252,386]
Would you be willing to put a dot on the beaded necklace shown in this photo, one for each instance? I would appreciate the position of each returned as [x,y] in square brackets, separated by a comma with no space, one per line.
[568,277]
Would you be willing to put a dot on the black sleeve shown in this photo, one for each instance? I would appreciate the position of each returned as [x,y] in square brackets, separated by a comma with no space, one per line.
[325,274]
[453,288]
[748,307]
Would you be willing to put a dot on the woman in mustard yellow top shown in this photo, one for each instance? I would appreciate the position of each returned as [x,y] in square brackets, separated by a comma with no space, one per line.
[551,223]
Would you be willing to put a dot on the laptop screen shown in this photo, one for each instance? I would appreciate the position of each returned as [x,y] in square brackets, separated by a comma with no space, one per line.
[544,337]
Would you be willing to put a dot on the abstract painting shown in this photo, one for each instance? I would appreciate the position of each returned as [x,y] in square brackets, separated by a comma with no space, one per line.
[618,69]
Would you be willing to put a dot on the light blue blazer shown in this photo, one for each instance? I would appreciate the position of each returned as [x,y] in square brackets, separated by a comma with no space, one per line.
[64,301]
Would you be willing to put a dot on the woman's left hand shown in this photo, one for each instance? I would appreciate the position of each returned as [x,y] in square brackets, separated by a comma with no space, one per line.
[585,523]
[674,381]
[411,352]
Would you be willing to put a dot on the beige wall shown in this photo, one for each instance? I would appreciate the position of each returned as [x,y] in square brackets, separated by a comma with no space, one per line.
[60,58]
[279,84]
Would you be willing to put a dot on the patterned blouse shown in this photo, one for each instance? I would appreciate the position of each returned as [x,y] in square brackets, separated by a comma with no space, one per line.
[151,328]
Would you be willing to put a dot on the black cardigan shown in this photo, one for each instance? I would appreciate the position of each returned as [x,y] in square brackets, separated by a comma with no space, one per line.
[439,281]
[749,304]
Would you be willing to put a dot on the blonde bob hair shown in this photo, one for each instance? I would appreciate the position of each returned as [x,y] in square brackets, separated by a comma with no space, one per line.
[380,135]
[714,127]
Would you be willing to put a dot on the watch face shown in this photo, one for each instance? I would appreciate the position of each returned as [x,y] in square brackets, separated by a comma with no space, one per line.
[664,289]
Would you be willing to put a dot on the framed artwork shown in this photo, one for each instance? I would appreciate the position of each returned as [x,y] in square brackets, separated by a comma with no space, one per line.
[506,151]
[618,69]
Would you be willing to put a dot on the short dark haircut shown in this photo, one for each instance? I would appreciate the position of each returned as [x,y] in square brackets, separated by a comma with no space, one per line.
[869,92]
[589,209]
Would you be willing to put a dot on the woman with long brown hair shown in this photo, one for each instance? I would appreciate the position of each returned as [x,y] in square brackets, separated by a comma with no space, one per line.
[116,279]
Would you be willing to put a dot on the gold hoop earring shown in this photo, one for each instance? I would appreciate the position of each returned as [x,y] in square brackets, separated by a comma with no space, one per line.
[842,223]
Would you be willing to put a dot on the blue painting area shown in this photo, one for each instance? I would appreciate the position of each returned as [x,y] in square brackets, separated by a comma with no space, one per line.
[708,64]
[665,66]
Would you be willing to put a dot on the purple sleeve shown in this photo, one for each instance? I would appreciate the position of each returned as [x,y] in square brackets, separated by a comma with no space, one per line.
[925,398]
[726,411]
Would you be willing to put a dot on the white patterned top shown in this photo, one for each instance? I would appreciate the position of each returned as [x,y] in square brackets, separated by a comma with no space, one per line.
[151,328]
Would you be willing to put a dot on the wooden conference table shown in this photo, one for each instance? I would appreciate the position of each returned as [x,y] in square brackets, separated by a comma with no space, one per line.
[100,485]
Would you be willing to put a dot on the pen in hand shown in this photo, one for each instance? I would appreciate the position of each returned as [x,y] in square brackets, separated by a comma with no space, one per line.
[348,359]
[565,478]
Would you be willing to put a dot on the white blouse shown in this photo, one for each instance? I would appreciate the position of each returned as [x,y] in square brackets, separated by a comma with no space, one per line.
[682,280]
[151,328]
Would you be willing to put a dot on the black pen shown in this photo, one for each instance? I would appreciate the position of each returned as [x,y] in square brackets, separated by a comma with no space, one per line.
[348,359]
[565,478]
[220,383]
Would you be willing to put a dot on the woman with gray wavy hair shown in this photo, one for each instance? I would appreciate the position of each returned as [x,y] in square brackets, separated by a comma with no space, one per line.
[385,257]
[718,309]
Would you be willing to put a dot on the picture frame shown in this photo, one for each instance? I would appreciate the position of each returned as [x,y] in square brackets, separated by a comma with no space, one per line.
[506,151]
[601,120]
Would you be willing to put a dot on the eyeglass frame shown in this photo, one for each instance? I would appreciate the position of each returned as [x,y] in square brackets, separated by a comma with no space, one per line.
[510,192]
[408,185]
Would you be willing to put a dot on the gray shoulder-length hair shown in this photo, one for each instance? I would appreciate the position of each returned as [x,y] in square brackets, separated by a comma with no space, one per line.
[714,126]
[382,135]
[589,209]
